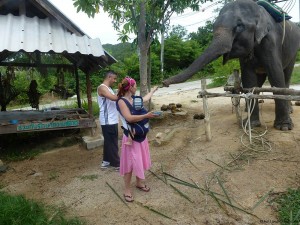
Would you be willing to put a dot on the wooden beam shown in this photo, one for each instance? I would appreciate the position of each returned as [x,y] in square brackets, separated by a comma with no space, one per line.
[83,123]
[22,8]
[275,90]
[3,2]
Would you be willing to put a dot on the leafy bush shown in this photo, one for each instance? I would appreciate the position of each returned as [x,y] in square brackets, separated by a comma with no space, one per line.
[17,210]
[95,108]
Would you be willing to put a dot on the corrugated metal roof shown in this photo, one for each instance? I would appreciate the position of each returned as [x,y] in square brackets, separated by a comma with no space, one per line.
[44,35]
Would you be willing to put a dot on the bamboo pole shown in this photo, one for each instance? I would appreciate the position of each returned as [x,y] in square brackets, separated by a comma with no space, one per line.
[249,95]
[256,90]
[206,112]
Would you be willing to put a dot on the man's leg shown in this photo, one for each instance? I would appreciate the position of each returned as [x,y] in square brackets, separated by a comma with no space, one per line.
[111,148]
[105,162]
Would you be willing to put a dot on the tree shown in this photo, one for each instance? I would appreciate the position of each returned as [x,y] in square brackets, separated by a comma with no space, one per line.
[144,18]
[204,35]
[178,31]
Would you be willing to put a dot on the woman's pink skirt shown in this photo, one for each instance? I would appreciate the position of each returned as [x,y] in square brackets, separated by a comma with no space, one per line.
[135,157]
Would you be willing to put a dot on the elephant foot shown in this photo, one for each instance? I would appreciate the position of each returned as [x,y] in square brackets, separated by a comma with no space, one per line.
[284,125]
[253,123]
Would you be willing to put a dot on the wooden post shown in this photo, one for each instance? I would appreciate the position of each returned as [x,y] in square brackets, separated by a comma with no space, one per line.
[206,112]
[89,98]
[236,100]
[77,86]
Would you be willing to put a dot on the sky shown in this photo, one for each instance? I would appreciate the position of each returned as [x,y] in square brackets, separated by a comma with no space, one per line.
[101,27]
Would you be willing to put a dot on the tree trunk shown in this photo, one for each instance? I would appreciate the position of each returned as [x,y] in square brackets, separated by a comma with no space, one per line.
[142,43]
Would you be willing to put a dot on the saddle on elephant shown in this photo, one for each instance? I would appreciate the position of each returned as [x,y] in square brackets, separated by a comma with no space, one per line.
[275,11]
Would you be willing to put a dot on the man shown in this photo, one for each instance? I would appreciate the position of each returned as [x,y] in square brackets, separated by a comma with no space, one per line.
[109,119]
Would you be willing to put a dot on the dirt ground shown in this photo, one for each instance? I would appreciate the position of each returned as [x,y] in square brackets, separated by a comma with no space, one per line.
[71,177]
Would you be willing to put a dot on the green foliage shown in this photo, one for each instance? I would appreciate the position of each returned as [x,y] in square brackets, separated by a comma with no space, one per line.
[204,35]
[17,210]
[121,51]
[178,54]
[295,79]
[298,56]
[95,107]
[289,207]
[178,31]
[221,72]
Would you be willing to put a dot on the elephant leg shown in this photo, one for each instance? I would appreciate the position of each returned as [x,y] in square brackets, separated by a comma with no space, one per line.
[282,107]
[250,80]
[287,75]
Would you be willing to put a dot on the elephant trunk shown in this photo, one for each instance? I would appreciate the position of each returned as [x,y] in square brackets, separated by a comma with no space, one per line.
[217,48]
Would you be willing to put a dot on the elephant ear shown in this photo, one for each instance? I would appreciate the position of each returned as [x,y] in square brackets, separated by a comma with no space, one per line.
[262,25]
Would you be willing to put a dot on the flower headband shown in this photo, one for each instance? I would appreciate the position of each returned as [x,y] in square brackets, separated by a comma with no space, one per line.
[131,83]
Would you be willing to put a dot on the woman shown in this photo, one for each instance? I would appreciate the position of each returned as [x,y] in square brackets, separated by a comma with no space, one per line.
[135,158]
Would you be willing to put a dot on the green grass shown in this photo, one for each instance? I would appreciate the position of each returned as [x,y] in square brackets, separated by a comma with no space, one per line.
[289,207]
[17,210]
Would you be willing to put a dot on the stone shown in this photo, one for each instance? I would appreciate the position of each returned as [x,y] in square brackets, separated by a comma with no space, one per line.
[92,142]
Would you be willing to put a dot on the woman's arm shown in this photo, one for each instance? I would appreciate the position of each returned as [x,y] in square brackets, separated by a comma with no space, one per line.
[149,95]
[132,118]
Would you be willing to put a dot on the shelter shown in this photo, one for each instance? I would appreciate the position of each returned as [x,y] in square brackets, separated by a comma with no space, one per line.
[34,28]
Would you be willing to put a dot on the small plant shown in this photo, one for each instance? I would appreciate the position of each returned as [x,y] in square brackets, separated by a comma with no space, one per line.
[289,207]
[89,177]
[53,175]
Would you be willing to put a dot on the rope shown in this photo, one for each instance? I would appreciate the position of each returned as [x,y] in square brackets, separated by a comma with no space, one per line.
[283,36]
[258,143]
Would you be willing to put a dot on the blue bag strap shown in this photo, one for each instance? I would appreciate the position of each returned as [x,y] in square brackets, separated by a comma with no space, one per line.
[130,108]
[127,103]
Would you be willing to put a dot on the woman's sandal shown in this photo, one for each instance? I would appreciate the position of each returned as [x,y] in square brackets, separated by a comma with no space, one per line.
[144,188]
[128,198]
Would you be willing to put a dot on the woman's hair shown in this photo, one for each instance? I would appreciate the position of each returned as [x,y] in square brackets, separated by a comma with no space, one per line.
[124,86]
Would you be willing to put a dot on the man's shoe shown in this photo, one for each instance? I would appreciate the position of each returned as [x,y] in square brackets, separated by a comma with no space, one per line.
[105,165]
[117,168]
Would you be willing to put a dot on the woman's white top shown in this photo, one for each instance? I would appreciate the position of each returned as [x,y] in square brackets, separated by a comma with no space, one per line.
[108,111]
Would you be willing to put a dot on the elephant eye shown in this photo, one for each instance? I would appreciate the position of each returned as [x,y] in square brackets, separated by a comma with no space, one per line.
[239,28]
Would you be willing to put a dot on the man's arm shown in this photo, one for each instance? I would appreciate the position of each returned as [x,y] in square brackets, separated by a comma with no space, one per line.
[104,92]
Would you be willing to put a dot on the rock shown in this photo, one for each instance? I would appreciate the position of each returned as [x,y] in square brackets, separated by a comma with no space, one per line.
[3,168]
[200,116]
[159,135]
[164,107]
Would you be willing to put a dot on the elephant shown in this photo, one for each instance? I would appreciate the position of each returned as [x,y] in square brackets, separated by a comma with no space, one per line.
[265,48]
